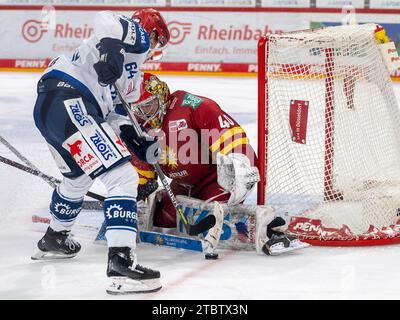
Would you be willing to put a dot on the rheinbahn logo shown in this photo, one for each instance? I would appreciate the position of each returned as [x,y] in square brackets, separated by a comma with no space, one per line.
[178,31]
[33,30]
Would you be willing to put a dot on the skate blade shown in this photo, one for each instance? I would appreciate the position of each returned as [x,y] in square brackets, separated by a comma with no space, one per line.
[294,245]
[297,244]
[51,255]
[123,285]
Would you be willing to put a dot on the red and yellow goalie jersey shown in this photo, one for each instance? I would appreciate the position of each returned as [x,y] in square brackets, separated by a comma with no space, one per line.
[196,129]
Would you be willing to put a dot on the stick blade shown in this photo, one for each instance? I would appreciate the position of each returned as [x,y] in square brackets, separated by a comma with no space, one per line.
[204,225]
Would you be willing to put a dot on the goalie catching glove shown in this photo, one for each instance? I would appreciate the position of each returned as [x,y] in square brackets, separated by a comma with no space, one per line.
[237,176]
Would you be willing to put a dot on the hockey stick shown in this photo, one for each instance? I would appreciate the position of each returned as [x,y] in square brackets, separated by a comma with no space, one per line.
[192,229]
[21,157]
[49,179]
[86,204]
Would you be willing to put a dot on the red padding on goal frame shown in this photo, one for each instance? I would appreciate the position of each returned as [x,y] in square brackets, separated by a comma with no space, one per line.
[352,243]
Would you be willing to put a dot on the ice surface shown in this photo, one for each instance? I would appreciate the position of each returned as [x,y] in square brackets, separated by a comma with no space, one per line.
[314,273]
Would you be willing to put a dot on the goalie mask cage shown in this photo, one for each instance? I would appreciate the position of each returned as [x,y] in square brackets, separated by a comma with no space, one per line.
[329,135]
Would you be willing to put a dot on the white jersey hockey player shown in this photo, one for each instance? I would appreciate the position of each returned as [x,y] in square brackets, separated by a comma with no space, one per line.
[74,113]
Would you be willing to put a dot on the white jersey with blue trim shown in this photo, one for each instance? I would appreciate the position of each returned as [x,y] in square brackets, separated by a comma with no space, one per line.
[78,70]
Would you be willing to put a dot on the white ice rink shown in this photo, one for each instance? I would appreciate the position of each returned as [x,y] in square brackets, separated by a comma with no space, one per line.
[314,273]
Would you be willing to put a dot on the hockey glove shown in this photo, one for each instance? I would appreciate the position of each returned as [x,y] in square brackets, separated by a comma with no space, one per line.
[146,149]
[110,66]
[144,190]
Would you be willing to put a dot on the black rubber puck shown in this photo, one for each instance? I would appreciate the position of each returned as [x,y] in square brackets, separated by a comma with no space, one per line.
[211,256]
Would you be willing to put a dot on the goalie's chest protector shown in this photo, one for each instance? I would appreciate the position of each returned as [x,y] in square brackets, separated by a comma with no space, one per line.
[185,157]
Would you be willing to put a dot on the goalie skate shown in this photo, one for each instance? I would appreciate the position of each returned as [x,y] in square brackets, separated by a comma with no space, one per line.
[126,276]
[270,240]
[280,244]
[56,245]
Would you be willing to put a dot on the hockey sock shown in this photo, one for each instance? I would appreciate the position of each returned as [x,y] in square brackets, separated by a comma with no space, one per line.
[63,211]
[120,214]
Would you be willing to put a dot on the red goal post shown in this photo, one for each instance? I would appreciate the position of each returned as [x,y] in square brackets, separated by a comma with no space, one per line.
[328,143]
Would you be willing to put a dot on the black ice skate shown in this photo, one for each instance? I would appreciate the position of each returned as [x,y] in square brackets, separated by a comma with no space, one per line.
[126,276]
[56,245]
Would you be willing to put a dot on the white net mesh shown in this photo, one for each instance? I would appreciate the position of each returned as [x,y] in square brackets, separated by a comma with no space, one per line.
[333,130]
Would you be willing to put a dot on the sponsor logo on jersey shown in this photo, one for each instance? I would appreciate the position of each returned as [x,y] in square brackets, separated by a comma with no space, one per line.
[132,29]
[133,33]
[85,160]
[119,141]
[169,158]
[102,146]
[82,153]
[63,84]
[115,211]
[142,34]
[191,101]
[77,112]
[120,146]
[75,148]
[179,174]
[99,145]
[177,125]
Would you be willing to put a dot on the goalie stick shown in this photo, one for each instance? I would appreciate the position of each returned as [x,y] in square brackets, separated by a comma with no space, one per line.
[152,237]
[192,229]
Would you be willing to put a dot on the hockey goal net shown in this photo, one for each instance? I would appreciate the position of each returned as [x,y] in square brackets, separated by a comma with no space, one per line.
[329,135]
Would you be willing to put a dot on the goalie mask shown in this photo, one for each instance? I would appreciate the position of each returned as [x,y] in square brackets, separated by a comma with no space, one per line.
[154,24]
[152,104]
